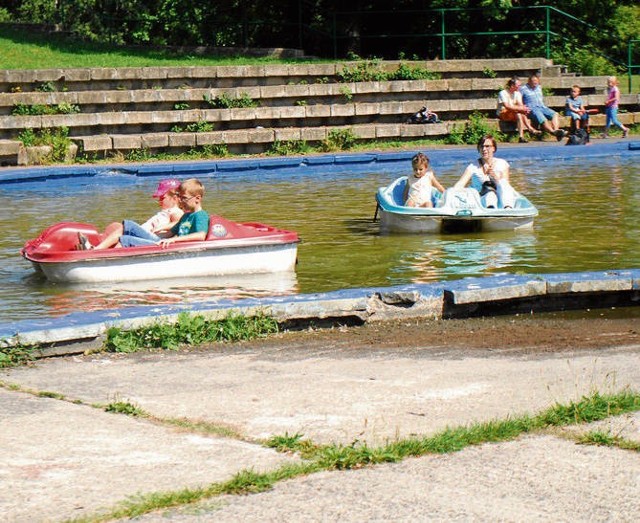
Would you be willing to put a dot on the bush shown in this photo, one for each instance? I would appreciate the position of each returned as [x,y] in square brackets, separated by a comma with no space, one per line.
[371,71]
[287,147]
[339,140]
[37,109]
[190,330]
[224,101]
[57,138]
[474,129]
[586,62]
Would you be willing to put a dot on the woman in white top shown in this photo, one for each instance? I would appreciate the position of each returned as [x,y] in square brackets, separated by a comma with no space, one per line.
[490,176]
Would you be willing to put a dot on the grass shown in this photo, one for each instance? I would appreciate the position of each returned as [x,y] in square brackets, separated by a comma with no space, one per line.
[606,439]
[32,50]
[341,457]
[189,330]
[17,355]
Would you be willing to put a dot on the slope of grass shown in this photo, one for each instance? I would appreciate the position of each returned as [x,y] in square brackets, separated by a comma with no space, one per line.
[21,49]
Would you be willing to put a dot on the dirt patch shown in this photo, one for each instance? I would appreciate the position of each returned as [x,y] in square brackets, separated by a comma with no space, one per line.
[527,334]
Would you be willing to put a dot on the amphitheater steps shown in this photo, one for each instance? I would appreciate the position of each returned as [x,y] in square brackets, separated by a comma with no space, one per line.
[121,110]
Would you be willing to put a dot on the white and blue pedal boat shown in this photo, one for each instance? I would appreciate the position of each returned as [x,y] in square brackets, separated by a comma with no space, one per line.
[457,210]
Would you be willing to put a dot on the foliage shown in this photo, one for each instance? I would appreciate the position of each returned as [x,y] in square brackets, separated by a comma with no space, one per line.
[219,150]
[474,129]
[287,147]
[489,73]
[45,87]
[138,155]
[292,443]
[269,24]
[56,137]
[37,109]
[224,101]
[356,455]
[346,92]
[17,355]
[200,126]
[191,330]
[181,106]
[124,407]
[405,72]
[584,61]
[338,140]
[372,71]
[365,71]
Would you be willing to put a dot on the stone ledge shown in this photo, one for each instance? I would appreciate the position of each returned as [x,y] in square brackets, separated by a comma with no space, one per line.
[275,92]
[429,301]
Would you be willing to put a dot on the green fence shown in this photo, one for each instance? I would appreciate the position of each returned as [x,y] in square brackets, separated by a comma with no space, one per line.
[631,65]
[540,27]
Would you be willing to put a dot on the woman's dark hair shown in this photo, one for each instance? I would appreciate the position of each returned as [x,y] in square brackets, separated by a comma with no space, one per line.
[512,81]
[484,139]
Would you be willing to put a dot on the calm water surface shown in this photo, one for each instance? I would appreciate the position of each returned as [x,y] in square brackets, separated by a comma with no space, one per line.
[588,221]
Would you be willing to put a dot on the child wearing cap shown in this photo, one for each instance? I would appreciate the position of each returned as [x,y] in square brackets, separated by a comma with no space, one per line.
[159,225]
[193,226]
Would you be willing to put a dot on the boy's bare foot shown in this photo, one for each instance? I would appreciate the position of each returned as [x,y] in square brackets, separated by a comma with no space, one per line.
[83,243]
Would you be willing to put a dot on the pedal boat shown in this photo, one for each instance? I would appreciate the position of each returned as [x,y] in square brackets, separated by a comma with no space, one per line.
[230,248]
[457,210]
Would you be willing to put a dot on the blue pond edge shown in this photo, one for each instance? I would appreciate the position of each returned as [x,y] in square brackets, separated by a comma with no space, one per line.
[430,301]
[285,166]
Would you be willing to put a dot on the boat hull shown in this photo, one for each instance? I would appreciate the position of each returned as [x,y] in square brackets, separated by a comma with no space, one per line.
[244,249]
[392,222]
[457,210]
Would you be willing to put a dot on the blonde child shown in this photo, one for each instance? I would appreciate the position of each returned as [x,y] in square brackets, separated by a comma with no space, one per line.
[159,224]
[611,107]
[417,192]
[576,108]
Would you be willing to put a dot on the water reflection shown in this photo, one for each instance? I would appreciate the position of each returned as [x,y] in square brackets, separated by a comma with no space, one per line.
[588,214]
[65,298]
[447,257]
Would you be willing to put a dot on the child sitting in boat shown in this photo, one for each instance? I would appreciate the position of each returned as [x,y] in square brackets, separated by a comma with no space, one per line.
[490,177]
[159,224]
[417,192]
[192,226]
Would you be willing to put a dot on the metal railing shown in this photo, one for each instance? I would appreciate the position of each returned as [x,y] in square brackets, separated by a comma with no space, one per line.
[546,27]
[630,63]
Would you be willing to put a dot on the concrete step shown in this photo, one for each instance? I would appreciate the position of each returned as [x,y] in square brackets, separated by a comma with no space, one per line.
[88,79]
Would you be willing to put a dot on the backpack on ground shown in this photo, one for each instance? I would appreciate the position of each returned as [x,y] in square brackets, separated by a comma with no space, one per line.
[424,115]
[578,137]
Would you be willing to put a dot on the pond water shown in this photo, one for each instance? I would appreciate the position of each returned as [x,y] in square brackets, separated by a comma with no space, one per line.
[588,221]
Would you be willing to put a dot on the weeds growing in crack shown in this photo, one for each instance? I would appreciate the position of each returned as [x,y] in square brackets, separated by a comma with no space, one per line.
[338,457]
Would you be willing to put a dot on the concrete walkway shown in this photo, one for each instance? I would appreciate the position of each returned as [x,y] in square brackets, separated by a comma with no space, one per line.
[62,460]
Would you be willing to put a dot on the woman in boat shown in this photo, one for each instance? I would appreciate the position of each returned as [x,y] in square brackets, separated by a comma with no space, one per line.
[490,176]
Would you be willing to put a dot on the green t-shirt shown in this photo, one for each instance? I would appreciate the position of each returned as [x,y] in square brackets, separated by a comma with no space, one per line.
[192,222]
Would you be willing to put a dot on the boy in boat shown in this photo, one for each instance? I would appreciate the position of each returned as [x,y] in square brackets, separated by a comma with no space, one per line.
[192,226]
[417,192]
[159,224]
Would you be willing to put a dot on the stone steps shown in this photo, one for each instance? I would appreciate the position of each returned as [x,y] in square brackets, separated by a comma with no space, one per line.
[143,108]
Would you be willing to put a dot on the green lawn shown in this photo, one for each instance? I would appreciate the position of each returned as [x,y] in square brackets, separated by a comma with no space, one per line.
[39,51]
[624,83]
